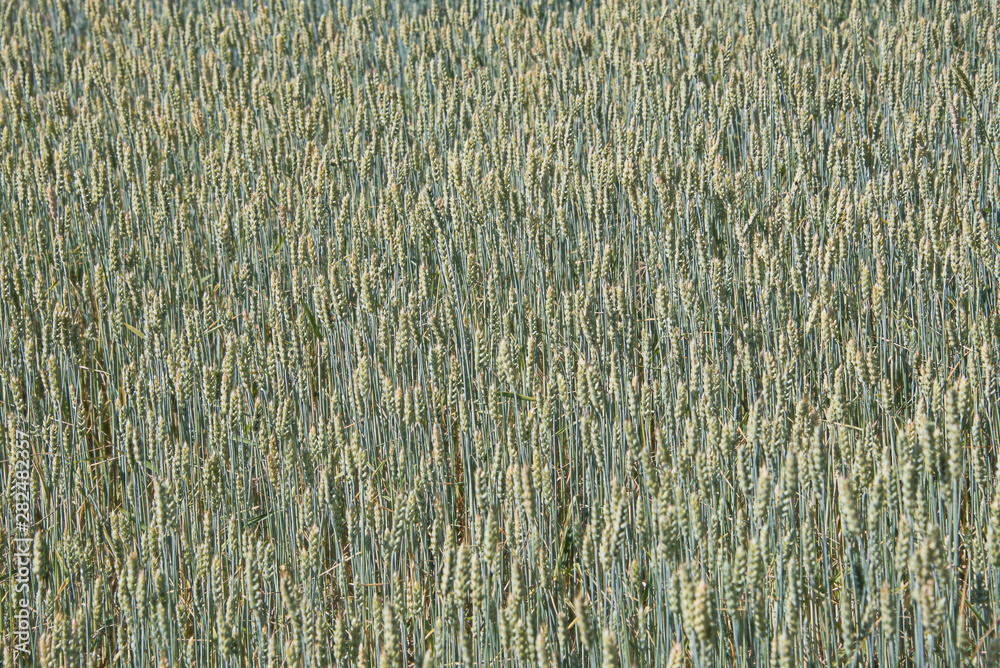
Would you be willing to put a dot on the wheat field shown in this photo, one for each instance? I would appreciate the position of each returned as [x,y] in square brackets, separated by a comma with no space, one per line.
[494,333]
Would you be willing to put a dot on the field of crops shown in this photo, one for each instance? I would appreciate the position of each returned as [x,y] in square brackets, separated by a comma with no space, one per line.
[479,333]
